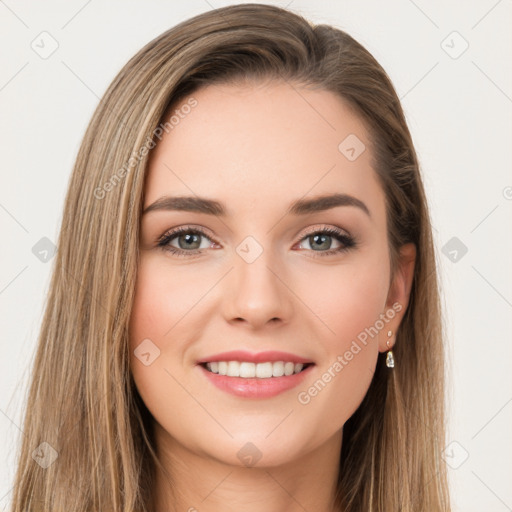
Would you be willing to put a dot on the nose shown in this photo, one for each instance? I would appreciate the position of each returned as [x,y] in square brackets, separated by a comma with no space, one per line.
[256,293]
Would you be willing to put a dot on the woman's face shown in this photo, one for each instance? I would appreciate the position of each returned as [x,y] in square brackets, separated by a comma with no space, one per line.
[262,276]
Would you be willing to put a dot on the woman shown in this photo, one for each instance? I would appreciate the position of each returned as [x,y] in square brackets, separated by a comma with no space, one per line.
[244,312]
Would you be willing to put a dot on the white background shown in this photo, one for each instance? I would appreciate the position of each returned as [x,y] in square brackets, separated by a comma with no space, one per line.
[459,112]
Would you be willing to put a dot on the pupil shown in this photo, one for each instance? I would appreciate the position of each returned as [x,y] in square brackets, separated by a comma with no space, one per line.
[190,238]
[325,237]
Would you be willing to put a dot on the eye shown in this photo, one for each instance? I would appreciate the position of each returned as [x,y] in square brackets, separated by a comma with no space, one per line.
[188,240]
[322,239]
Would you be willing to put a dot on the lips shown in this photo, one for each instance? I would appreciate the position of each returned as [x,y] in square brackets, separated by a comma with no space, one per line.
[251,357]
[255,375]
[255,388]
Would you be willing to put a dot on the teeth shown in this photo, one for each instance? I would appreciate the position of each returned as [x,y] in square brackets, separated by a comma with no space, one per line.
[248,370]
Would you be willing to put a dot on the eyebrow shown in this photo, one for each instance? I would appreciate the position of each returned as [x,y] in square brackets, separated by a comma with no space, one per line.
[212,207]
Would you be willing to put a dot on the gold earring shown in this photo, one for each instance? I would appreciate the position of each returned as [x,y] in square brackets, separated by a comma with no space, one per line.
[390,360]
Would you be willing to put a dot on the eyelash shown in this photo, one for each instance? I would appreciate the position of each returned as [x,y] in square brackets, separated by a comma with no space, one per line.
[348,242]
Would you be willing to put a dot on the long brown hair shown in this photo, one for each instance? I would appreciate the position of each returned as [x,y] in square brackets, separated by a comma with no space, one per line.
[84,416]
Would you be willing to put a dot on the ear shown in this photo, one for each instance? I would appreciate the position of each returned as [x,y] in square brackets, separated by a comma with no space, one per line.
[398,295]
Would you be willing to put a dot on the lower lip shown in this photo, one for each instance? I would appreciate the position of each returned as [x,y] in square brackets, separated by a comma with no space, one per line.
[255,387]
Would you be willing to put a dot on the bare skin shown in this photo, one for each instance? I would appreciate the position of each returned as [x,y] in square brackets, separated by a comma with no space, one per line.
[256,149]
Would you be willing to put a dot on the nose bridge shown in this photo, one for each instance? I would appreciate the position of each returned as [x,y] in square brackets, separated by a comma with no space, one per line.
[259,293]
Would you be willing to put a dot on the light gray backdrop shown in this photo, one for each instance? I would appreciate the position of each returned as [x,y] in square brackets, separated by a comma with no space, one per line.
[450,63]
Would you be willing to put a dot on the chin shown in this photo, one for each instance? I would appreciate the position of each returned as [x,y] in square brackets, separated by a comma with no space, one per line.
[258,452]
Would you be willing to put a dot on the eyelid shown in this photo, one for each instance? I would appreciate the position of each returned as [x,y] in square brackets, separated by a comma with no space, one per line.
[185,229]
[208,234]
[322,227]
[333,231]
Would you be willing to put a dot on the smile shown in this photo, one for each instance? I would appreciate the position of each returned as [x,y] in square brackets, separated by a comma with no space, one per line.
[248,370]
[255,387]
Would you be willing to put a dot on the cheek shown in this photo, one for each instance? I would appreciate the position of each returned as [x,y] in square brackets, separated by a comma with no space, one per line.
[344,300]
[356,304]
[158,333]
[349,303]
[162,301]
[159,309]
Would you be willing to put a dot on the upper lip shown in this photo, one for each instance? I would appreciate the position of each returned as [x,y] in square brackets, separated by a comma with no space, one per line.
[258,357]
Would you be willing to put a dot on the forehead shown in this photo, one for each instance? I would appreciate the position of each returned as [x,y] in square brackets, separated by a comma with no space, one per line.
[258,144]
